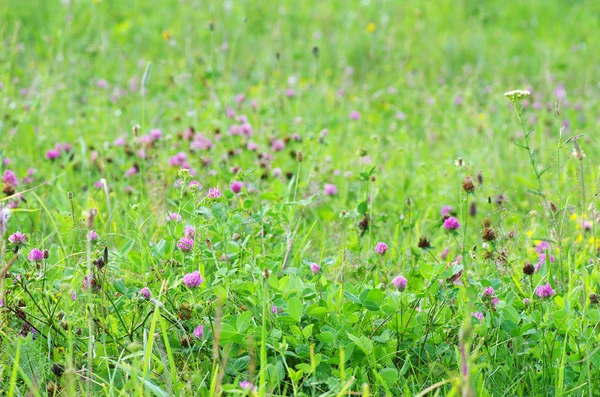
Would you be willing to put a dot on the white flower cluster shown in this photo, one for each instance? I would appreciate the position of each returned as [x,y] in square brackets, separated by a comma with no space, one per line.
[4,217]
[517,95]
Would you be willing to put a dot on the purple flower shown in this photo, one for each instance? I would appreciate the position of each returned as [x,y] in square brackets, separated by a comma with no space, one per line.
[381,248]
[488,292]
[542,247]
[101,83]
[35,255]
[201,142]
[178,160]
[477,315]
[52,154]
[277,145]
[495,301]
[315,268]
[88,281]
[193,279]
[246,385]
[354,115]
[73,295]
[451,223]
[10,178]
[214,192]
[17,238]
[560,91]
[199,331]
[174,216]
[145,293]
[544,291]
[541,260]
[273,309]
[236,186]
[446,210]
[92,236]
[400,282]
[330,189]
[131,171]
[586,225]
[189,232]
[185,244]
[155,134]
[445,253]
[246,129]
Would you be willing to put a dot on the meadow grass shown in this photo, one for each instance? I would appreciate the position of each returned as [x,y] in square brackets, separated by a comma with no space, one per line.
[299,198]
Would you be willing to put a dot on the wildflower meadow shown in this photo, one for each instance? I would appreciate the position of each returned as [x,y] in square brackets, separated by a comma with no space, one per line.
[299,198]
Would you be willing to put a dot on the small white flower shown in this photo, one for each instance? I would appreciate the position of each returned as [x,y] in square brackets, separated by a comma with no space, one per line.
[517,95]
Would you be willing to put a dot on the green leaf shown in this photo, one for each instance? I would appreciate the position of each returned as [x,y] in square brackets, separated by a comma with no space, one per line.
[363,343]
[352,297]
[278,187]
[295,308]
[120,287]
[228,333]
[295,375]
[127,248]
[303,367]
[319,311]
[594,315]
[362,208]
[326,337]
[243,321]
[426,270]
[286,320]
[511,314]
[307,331]
[560,317]
[406,365]
[390,375]
[375,295]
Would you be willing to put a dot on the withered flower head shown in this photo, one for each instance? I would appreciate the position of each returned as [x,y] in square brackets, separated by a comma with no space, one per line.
[468,185]
[424,243]
[489,234]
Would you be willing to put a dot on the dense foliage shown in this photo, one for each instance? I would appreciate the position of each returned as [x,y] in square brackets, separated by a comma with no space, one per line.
[299,198]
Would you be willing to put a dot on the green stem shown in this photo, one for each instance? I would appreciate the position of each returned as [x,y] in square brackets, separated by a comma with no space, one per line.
[519,110]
